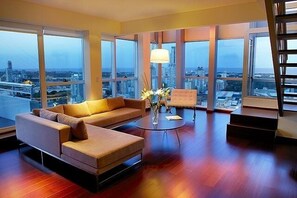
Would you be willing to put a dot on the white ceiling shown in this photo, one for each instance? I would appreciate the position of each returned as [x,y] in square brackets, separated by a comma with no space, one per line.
[127,10]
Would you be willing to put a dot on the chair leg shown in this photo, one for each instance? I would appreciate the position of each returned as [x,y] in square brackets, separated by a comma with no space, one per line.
[194,116]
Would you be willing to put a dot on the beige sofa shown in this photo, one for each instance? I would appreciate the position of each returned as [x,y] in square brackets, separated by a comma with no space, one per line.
[108,113]
[80,141]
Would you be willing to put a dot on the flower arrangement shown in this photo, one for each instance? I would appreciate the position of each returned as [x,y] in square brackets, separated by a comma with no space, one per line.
[154,98]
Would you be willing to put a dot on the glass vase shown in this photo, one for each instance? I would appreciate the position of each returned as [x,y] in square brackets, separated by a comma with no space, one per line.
[155,114]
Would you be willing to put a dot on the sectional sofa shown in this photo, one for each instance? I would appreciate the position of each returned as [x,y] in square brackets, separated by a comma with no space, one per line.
[81,134]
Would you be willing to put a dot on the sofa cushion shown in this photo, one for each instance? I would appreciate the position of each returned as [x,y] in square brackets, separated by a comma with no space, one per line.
[115,103]
[104,147]
[77,110]
[78,127]
[48,114]
[112,117]
[97,106]
[56,109]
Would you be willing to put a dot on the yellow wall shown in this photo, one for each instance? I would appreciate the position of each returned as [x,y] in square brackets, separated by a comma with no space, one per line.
[34,14]
[30,13]
[240,13]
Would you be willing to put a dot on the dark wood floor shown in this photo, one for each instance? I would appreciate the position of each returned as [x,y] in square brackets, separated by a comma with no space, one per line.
[205,165]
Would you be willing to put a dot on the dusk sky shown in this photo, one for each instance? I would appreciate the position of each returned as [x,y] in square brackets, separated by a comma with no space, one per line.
[21,49]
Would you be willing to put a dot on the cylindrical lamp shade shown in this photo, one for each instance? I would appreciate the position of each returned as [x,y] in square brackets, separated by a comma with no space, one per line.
[159,56]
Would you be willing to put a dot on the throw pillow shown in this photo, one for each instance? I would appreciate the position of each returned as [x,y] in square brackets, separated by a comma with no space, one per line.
[57,109]
[36,112]
[77,110]
[115,103]
[78,127]
[97,106]
[48,114]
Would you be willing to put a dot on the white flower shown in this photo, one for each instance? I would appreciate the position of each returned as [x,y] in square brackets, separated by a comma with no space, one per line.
[154,97]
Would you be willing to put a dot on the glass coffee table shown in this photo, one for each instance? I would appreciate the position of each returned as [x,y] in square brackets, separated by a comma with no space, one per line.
[146,124]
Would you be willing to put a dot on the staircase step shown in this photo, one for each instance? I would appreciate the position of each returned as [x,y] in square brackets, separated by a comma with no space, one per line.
[286,18]
[290,94]
[258,134]
[288,64]
[282,1]
[291,51]
[287,36]
[290,107]
[289,86]
[292,102]
[288,76]
[255,117]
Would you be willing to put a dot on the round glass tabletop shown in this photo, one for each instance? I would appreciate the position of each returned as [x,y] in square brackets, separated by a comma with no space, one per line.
[146,123]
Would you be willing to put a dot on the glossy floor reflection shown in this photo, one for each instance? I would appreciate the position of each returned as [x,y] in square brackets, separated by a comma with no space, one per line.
[206,164]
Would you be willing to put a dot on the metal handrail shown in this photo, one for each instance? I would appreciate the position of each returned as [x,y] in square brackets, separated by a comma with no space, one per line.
[13,86]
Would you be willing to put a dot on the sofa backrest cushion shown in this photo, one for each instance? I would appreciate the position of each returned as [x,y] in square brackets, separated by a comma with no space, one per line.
[77,110]
[48,114]
[56,109]
[97,106]
[78,127]
[115,103]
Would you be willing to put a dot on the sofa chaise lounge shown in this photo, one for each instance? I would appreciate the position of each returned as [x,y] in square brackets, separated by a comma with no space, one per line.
[82,142]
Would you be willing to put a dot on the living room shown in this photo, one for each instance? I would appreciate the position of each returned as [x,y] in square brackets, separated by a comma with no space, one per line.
[213,30]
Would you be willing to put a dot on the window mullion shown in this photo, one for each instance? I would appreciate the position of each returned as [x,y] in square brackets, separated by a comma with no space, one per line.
[42,75]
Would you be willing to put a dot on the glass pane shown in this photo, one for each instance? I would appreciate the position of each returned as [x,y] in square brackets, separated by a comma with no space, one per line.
[230,58]
[63,58]
[107,89]
[126,88]
[169,69]
[196,58]
[228,93]
[154,71]
[64,94]
[125,58]
[229,65]
[201,84]
[107,58]
[263,83]
[19,74]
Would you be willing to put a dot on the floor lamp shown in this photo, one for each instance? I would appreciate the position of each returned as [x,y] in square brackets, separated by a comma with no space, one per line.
[159,56]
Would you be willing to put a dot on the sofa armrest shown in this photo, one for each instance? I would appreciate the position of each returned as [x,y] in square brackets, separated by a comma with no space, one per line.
[41,133]
[136,103]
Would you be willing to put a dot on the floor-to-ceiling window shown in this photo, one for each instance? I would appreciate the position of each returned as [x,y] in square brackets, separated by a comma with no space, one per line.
[64,69]
[19,73]
[196,69]
[261,74]
[169,69]
[154,70]
[119,68]
[107,56]
[22,51]
[229,73]
[126,70]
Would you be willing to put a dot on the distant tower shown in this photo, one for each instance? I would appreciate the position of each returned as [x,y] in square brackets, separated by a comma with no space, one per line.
[9,72]
[172,68]
[172,55]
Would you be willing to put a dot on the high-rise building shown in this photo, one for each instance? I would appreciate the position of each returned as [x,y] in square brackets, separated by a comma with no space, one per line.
[171,72]
[9,72]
